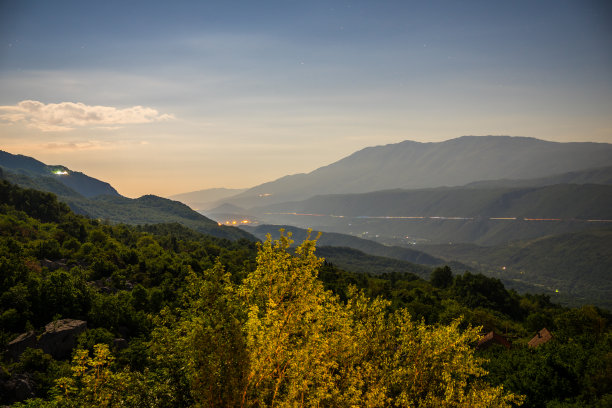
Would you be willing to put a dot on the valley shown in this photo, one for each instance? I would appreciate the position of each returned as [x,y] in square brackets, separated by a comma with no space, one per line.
[496,227]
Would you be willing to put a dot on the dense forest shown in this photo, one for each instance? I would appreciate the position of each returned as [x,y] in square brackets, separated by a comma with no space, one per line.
[175,318]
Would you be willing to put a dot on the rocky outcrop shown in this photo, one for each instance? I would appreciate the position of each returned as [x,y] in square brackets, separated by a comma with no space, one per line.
[58,339]
[119,343]
[106,285]
[17,388]
[53,265]
[21,343]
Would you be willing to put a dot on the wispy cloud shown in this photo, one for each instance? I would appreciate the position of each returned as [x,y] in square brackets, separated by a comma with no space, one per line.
[54,117]
[87,145]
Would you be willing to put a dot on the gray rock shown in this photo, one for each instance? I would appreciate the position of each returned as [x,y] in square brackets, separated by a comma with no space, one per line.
[120,344]
[17,388]
[58,339]
[21,343]
[24,388]
[53,265]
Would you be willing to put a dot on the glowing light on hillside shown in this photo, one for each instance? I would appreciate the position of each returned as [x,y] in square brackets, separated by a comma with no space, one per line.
[60,172]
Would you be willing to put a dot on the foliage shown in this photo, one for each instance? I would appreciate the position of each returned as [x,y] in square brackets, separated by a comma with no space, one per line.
[577,264]
[441,277]
[94,383]
[300,345]
[213,322]
[576,372]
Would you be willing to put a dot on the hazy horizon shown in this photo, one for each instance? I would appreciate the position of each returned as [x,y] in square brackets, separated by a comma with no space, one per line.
[163,98]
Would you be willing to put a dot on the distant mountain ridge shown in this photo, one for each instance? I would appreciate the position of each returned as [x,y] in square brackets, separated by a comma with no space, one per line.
[412,165]
[202,199]
[79,182]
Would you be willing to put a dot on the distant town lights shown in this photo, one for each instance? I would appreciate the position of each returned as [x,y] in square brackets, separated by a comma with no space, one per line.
[236,222]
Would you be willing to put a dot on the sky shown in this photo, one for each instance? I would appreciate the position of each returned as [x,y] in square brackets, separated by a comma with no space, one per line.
[161,97]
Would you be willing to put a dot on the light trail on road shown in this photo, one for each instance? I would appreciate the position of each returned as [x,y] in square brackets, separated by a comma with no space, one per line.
[405,217]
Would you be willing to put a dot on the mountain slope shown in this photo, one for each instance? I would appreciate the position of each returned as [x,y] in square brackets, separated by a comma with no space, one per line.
[600,175]
[331,239]
[204,199]
[411,165]
[152,209]
[81,183]
[42,183]
[118,209]
[577,263]
[558,201]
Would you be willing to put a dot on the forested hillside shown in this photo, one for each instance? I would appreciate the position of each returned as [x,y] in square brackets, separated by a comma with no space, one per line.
[78,182]
[177,318]
[114,208]
[577,265]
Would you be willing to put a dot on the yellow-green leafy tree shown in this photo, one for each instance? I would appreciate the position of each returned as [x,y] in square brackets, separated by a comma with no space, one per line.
[94,384]
[296,332]
[306,348]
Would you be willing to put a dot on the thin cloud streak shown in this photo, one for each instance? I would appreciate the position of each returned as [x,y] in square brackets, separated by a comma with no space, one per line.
[68,146]
[65,116]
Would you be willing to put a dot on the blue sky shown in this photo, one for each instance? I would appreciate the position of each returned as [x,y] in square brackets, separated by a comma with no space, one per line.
[168,97]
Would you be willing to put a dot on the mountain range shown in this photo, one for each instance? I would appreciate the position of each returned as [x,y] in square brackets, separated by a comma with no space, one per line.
[415,165]
[538,209]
